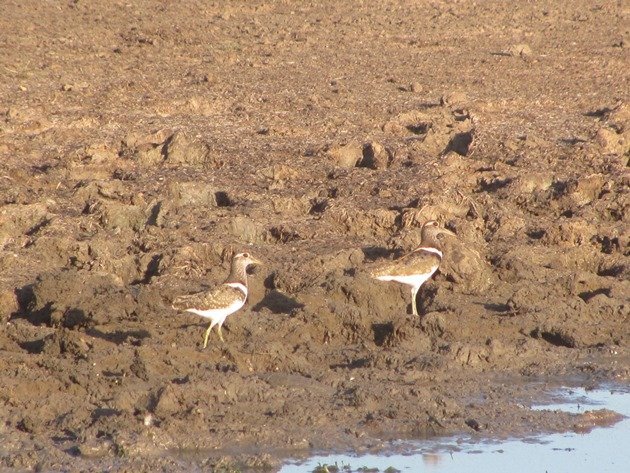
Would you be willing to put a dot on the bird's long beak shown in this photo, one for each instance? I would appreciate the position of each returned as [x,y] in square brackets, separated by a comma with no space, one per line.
[448,232]
[255,260]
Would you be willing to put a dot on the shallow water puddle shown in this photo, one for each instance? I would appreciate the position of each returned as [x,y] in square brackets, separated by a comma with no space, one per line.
[601,449]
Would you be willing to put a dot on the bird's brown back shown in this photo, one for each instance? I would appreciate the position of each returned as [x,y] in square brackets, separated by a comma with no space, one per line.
[419,261]
[217,298]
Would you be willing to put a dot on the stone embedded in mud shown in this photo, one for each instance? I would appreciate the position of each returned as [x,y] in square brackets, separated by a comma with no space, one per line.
[375,156]
[520,50]
[461,142]
[181,148]
[531,182]
[196,193]
[455,99]
[347,156]
[148,155]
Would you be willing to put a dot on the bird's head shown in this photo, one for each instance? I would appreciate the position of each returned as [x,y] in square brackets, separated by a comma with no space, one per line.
[431,230]
[245,259]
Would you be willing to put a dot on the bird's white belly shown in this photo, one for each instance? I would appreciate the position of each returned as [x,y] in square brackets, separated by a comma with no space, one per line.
[415,280]
[218,315]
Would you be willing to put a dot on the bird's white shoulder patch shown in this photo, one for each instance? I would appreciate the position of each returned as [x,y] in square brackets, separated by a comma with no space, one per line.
[239,286]
[430,250]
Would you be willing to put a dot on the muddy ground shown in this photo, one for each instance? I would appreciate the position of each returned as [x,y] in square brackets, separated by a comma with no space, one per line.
[142,142]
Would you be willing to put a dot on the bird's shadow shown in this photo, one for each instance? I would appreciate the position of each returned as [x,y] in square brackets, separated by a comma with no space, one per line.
[118,337]
[373,253]
[278,303]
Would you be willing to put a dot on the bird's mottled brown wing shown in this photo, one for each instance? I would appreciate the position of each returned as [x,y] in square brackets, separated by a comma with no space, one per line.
[419,261]
[218,298]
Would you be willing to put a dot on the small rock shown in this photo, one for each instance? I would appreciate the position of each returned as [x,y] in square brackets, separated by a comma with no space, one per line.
[149,154]
[531,182]
[520,50]
[473,424]
[465,266]
[416,87]
[194,194]
[454,99]
[375,156]
[347,156]
[181,148]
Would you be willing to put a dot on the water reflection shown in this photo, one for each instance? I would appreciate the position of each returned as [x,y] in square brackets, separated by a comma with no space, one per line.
[601,450]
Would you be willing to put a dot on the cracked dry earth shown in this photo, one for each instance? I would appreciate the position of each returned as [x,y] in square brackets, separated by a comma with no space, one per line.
[142,142]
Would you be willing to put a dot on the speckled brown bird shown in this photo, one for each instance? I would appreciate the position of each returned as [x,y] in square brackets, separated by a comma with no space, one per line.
[416,267]
[223,300]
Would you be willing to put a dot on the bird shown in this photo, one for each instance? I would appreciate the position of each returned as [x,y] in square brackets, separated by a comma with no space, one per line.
[414,268]
[223,300]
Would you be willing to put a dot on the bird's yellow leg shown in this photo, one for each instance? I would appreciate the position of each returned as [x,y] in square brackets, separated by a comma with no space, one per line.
[220,334]
[207,334]
[414,293]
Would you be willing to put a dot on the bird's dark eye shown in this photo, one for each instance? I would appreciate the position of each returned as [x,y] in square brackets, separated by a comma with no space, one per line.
[245,255]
